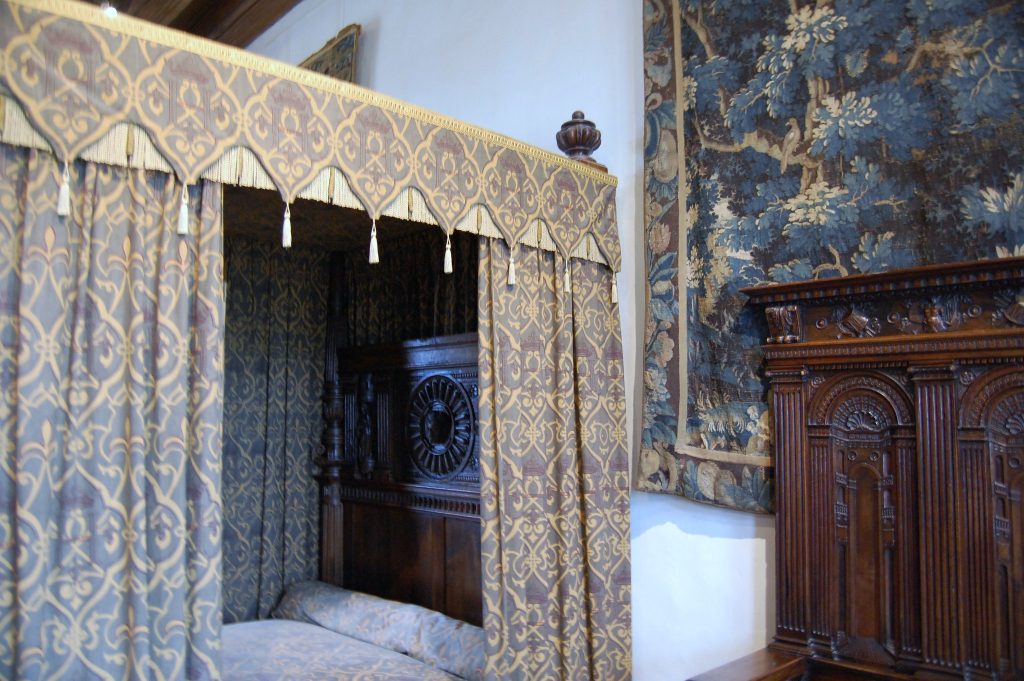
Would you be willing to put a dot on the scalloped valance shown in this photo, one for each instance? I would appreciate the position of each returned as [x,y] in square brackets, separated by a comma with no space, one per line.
[126,92]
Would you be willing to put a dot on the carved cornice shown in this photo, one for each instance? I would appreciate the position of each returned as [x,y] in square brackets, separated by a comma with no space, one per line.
[957,276]
[460,503]
[996,342]
[934,302]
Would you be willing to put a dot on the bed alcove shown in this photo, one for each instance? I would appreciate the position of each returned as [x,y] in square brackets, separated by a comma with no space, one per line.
[403,336]
[124,145]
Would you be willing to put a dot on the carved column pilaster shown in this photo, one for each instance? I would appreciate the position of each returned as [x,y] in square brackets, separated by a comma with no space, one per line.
[332,512]
[936,400]
[788,401]
[827,512]
[908,643]
[975,479]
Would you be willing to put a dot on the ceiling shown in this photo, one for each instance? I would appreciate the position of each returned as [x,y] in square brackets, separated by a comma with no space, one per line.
[234,22]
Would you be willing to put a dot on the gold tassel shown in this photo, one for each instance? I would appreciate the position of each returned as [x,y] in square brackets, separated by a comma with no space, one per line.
[286,228]
[615,291]
[64,195]
[512,269]
[374,256]
[567,283]
[448,269]
[183,211]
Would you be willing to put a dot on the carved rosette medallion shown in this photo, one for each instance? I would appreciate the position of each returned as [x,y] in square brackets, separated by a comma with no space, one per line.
[441,427]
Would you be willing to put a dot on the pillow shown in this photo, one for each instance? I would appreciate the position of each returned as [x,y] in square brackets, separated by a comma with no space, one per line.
[428,636]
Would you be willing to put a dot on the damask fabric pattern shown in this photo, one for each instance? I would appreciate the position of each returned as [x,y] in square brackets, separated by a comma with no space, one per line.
[282,650]
[819,140]
[273,376]
[407,295]
[110,425]
[554,480]
[199,103]
[426,635]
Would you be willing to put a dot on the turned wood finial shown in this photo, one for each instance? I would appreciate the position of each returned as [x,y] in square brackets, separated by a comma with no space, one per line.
[579,138]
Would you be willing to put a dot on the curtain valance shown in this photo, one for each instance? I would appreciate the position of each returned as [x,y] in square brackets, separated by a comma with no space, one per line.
[125,92]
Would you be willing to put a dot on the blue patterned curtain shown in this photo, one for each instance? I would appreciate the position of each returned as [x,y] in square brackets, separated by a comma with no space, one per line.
[554,472]
[110,424]
[274,363]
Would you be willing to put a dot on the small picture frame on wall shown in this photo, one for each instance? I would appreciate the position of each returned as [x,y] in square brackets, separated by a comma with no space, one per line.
[337,58]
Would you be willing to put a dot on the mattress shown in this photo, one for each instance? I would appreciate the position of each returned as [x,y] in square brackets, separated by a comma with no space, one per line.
[285,650]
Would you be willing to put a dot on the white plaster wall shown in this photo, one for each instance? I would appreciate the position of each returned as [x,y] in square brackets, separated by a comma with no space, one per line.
[700,574]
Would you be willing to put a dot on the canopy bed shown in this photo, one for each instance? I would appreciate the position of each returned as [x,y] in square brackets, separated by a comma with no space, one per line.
[116,138]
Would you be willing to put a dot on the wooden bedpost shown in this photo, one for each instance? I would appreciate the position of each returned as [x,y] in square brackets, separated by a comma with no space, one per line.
[332,513]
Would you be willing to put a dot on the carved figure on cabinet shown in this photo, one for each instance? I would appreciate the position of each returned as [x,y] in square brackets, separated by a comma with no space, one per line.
[365,427]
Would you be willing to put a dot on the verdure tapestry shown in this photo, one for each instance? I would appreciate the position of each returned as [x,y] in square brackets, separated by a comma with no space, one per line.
[796,140]
[275,330]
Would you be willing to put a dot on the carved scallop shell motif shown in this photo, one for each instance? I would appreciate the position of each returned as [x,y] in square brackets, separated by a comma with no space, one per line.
[1015,424]
[861,414]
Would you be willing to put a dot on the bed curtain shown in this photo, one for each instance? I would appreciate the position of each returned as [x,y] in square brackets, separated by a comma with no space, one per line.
[273,376]
[554,474]
[110,421]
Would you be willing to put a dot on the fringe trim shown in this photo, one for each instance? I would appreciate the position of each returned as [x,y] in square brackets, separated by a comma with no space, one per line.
[128,145]
[17,131]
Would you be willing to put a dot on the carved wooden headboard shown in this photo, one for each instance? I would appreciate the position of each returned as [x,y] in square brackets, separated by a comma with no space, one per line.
[402,505]
[898,404]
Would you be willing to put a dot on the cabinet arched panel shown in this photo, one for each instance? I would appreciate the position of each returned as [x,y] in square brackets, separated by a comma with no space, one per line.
[862,452]
[992,470]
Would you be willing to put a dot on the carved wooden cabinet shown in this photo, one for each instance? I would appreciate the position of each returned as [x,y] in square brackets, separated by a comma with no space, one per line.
[898,408]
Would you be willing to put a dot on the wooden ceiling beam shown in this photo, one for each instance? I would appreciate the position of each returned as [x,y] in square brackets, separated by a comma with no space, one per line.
[233,22]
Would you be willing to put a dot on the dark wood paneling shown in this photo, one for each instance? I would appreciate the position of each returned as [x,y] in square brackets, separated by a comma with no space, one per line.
[462,598]
[394,553]
[415,557]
